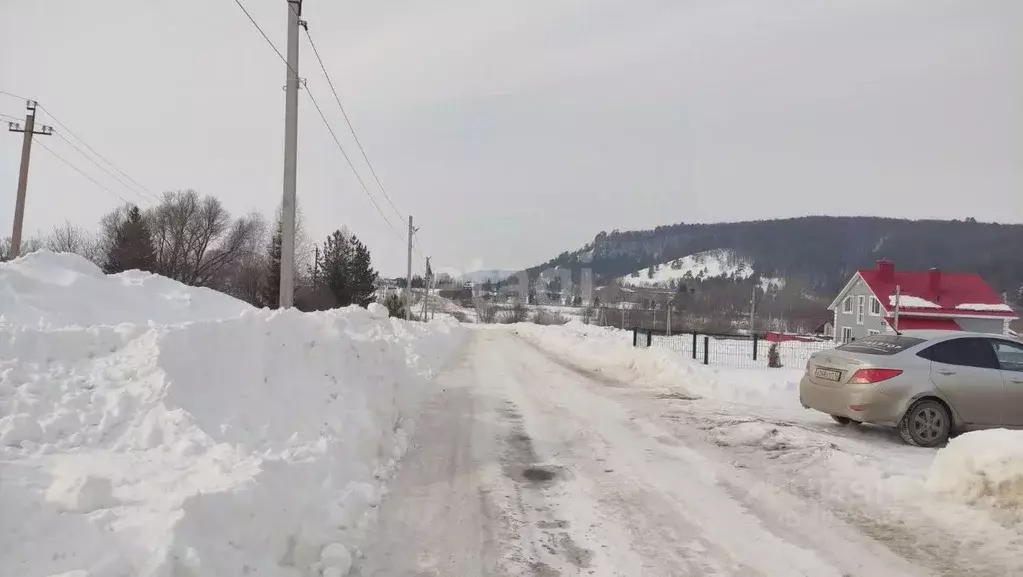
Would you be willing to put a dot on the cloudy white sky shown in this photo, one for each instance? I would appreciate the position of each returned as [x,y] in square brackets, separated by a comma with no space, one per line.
[516,130]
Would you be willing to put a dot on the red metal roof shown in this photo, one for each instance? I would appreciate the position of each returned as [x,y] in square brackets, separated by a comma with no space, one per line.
[925,323]
[950,291]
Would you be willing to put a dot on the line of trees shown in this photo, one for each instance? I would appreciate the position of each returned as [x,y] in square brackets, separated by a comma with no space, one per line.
[195,240]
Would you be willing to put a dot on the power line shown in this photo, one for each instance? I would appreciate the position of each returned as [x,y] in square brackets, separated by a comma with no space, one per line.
[13,118]
[352,166]
[349,122]
[97,165]
[101,157]
[5,93]
[323,117]
[79,171]
[265,37]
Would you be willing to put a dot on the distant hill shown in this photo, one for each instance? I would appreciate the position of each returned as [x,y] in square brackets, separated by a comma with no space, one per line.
[481,276]
[820,252]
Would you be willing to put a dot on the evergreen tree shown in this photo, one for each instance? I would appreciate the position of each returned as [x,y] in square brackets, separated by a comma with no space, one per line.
[346,270]
[362,276]
[132,246]
[271,293]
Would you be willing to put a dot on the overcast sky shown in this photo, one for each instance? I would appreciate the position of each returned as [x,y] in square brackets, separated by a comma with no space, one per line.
[516,130]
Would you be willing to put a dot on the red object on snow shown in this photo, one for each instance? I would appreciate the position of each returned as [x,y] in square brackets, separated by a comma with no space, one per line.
[924,323]
[947,290]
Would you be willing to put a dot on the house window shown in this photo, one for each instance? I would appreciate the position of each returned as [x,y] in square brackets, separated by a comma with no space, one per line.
[875,307]
[846,334]
[847,305]
[873,332]
[861,308]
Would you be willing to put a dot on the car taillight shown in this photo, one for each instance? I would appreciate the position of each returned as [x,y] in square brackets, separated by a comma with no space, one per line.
[868,376]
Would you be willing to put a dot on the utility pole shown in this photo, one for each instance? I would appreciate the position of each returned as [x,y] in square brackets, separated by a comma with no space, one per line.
[408,277]
[26,152]
[426,302]
[290,158]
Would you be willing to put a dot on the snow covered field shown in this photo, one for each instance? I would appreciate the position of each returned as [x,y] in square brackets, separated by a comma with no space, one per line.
[153,429]
[739,352]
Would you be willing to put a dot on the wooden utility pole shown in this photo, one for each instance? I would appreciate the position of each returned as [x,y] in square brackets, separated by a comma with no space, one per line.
[26,152]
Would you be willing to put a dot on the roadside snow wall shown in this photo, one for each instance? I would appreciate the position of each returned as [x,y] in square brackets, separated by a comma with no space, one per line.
[609,351]
[256,443]
[982,467]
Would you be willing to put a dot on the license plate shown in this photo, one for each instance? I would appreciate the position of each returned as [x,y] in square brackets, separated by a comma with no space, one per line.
[828,374]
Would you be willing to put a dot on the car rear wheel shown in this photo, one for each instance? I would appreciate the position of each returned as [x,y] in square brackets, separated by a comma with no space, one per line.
[845,421]
[926,424]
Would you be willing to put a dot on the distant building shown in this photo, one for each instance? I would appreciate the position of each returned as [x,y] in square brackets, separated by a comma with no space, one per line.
[927,300]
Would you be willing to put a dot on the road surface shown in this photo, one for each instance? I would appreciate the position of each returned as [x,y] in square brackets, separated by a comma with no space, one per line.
[524,465]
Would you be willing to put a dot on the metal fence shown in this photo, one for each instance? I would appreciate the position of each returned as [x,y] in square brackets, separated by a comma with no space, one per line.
[732,350]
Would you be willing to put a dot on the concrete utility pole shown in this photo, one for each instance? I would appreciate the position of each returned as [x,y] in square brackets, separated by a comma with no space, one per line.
[26,152]
[426,303]
[408,276]
[290,158]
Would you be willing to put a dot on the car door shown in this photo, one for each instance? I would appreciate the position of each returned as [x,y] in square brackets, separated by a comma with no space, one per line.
[967,372]
[1010,360]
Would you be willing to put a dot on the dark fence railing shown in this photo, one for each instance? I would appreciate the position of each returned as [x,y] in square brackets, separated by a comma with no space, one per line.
[733,350]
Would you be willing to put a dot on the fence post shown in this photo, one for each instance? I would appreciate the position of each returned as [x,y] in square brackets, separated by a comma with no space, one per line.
[706,350]
[694,346]
[634,341]
[755,340]
[649,338]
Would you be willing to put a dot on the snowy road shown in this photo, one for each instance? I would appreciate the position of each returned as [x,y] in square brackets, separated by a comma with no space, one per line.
[523,465]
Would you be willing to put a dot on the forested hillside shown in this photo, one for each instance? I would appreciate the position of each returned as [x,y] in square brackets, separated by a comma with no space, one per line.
[819,252]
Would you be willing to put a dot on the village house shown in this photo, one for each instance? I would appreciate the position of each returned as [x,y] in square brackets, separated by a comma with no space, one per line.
[926,300]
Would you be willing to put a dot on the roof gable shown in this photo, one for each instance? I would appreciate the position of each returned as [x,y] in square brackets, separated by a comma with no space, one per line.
[957,294]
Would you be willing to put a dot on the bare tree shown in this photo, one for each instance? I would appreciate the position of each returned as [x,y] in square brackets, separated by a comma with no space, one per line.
[75,239]
[195,239]
[29,245]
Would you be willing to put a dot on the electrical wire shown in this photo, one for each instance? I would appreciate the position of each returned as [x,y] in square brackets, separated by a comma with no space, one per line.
[352,166]
[265,37]
[79,171]
[5,93]
[99,166]
[12,118]
[323,117]
[101,157]
[349,123]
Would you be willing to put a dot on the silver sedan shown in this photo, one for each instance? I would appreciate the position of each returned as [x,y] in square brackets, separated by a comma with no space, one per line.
[928,384]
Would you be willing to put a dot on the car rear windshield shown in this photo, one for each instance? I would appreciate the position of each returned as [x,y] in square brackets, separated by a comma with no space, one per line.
[881,345]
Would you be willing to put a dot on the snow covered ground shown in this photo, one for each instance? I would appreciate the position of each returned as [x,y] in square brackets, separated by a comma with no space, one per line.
[153,429]
[951,511]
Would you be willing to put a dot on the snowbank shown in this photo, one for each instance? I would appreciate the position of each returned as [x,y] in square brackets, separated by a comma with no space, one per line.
[259,442]
[610,351]
[981,467]
[58,289]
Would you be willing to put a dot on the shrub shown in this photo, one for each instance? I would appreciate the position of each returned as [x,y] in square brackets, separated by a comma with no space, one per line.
[546,317]
[774,356]
[518,314]
[395,305]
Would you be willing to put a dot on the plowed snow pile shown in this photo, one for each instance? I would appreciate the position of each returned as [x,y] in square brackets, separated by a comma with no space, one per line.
[177,431]
[981,467]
